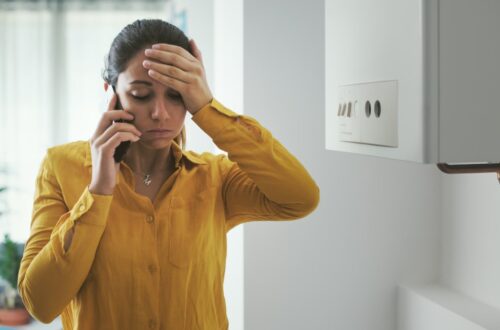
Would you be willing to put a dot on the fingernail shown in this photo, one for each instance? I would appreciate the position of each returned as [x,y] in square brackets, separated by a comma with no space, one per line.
[147,64]
[156,46]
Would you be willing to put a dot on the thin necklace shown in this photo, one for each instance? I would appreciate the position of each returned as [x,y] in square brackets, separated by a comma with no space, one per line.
[146,176]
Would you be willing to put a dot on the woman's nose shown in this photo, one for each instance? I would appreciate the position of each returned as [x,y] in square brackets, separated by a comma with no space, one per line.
[160,110]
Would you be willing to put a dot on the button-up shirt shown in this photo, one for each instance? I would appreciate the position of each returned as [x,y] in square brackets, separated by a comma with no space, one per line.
[134,263]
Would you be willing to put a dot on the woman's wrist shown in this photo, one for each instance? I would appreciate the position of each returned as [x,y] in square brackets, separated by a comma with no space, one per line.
[98,191]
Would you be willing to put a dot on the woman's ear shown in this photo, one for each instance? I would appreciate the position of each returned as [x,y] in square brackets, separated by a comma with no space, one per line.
[106,86]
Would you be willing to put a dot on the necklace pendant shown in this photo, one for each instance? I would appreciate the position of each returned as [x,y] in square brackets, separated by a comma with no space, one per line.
[147,179]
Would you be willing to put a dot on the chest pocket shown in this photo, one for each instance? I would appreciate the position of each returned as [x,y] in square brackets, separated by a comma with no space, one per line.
[191,224]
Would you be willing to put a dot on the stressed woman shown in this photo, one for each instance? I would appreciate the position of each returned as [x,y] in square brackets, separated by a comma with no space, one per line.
[139,242]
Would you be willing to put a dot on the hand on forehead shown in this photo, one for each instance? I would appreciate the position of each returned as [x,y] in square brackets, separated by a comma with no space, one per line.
[158,53]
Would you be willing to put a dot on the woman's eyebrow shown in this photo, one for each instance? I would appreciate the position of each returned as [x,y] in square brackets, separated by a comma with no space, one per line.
[141,82]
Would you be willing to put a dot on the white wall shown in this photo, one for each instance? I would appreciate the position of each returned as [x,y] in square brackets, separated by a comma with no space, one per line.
[377,223]
[471,232]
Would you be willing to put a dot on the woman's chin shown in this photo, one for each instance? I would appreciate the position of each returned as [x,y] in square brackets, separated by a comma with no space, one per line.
[154,143]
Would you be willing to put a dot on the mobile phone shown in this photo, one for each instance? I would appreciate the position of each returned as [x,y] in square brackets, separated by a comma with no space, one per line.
[122,149]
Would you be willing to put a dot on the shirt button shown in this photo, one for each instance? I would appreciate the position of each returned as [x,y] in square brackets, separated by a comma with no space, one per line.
[82,207]
[152,268]
[149,219]
[152,324]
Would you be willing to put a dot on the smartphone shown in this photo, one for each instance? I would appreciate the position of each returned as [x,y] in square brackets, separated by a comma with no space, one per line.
[122,149]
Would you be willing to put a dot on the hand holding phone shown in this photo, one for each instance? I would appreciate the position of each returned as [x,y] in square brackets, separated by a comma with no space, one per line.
[109,144]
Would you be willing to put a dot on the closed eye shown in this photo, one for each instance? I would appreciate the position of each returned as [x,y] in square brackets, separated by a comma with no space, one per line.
[142,98]
[175,96]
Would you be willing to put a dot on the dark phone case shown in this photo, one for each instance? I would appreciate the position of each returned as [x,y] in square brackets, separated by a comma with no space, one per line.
[122,149]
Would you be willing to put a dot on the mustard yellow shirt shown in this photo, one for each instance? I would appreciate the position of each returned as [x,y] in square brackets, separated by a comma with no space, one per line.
[135,264]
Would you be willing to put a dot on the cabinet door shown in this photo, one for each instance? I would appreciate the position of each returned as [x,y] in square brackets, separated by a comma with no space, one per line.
[469,81]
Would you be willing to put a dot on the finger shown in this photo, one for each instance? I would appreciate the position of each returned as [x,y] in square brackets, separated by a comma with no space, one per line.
[174,49]
[121,127]
[169,70]
[196,50]
[112,101]
[118,128]
[167,81]
[124,126]
[166,57]
[107,119]
[112,143]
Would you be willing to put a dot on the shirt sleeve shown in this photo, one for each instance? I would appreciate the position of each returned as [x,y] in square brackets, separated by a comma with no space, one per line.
[49,277]
[262,179]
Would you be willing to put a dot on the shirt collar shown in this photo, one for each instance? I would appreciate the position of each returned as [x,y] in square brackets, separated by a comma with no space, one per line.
[178,154]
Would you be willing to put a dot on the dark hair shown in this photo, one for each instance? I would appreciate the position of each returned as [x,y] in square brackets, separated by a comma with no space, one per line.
[133,38]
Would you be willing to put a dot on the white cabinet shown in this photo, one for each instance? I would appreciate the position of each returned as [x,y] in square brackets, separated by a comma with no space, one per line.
[415,80]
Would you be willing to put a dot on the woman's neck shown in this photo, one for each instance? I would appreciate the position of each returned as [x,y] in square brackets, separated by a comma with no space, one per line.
[144,160]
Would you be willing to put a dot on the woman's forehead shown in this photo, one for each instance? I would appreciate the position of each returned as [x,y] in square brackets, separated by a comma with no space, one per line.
[135,70]
[135,63]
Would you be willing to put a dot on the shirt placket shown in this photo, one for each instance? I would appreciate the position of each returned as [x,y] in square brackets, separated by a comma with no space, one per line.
[149,283]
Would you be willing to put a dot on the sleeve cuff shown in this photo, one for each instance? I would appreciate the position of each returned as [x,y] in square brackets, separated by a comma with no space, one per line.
[100,205]
[211,121]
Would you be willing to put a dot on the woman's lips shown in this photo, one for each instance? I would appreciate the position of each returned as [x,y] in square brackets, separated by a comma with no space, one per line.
[158,133]
[159,130]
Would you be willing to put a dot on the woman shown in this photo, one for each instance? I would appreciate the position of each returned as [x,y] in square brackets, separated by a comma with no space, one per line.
[141,244]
